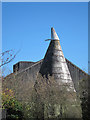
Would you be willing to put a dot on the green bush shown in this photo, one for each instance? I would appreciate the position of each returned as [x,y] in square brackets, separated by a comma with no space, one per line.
[13,107]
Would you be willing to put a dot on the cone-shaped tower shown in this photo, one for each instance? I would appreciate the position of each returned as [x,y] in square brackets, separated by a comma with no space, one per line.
[54,62]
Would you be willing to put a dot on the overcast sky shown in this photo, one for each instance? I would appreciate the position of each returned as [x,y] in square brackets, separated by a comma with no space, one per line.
[25,26]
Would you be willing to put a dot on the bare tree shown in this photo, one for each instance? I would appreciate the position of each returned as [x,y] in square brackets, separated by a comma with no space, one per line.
[6,57]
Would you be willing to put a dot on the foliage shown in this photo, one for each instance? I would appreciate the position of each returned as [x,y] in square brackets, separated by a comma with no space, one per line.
[43,98]
[12,106]
[58,100]
[83,94]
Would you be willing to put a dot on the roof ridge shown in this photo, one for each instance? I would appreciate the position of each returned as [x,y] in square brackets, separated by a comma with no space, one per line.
[29,67]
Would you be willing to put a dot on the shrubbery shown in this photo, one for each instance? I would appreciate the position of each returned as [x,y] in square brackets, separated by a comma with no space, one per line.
[12,106]
[43,98]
